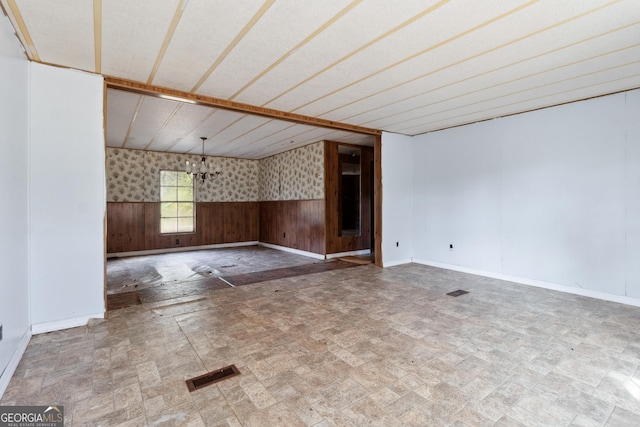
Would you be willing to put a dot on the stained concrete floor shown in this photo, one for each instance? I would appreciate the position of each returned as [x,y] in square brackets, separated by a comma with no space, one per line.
[349,347]
[151,278]
[140,272]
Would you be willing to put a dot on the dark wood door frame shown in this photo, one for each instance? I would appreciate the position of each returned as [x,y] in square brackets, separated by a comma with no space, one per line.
[377,198]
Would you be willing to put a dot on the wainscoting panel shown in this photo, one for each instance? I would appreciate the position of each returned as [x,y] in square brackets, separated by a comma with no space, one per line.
[297,224]
[136,226]
[125,227]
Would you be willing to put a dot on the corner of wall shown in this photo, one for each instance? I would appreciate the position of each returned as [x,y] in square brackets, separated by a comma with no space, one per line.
[11,367]
[14,208]
[66,194]
[397,198]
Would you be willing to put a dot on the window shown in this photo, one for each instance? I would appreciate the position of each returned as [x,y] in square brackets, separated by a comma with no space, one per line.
[177,213]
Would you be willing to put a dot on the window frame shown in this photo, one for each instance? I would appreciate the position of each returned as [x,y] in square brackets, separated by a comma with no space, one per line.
[192,202]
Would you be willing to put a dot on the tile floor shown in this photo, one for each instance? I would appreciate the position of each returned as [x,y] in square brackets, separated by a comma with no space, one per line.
[351,347]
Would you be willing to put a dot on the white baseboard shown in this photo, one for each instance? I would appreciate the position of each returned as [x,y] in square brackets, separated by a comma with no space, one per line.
[351,253]
[8,372]
[41,328]
[181,249]
[537,283]
[292,250]
[397,262]
[232,245]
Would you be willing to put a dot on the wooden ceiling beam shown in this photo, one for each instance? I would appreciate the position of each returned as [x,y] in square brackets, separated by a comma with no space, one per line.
[167,93]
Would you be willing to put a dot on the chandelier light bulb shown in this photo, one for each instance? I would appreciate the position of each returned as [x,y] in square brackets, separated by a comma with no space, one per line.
[203,172]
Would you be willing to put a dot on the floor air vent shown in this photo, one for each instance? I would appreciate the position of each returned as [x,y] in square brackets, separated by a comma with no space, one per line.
[457,293]
[212,377]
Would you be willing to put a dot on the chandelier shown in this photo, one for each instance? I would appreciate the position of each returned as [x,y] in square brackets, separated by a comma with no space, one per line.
[201,171]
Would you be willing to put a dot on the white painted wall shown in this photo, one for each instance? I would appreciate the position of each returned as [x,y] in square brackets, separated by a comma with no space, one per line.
[67,197]
[551,196]
[457,196]
[14,138]
[563,195]
[632,183]
[397,199]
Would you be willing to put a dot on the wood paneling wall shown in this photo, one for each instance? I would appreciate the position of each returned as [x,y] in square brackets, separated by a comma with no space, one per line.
[125,227]
[377,196]
[334,242]
[297,224]
[136,226]
[307,225]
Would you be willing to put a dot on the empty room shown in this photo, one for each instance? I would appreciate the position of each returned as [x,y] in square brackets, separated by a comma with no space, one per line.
[338,213]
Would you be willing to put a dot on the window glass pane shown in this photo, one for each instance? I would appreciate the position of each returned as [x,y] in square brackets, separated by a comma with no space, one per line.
[168,225]
[168,178]
[185,194]
[185,180]
[177,208]
[185,225]
[168,193]
[168,209]
[185,210]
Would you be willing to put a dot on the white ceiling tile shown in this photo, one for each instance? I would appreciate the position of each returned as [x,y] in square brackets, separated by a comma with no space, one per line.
[218,122]
[534,54]
[555,80]
[294,137]
[288,135]
[64,36]
[136,144]
[221,141]
[509,29]
[209,128]
[349,137]
[132,36]
[286,23]
[254,138]
[121,108]
[544,69]
[411,40]
[152,116]
[463,61]
[373,19]
[186,120]
[626,78]
[204,32]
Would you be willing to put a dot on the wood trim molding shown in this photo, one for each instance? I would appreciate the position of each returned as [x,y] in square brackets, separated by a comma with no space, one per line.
[377,202]
[22,31]
[104,218]
[335,242]
[159,91]
[167,38]
[97,37]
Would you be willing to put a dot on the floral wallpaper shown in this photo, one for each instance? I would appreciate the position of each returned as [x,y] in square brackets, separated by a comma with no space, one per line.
[293,175]
[133,176]
[125,175]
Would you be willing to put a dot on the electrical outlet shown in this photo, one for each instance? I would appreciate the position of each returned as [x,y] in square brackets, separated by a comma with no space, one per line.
[397,244]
